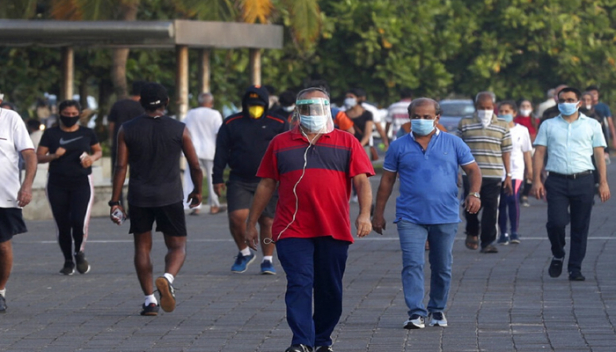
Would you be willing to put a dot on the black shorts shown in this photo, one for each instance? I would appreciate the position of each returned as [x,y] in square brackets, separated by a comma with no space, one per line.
[240,195]
[11,223]
[170,219]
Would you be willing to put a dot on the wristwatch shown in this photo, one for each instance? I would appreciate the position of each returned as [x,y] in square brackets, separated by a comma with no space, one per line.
[113,203]
[475,194]
[509,174]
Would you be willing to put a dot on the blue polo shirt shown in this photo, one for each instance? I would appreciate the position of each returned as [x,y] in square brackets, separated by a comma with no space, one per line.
[570,145]
[428,179]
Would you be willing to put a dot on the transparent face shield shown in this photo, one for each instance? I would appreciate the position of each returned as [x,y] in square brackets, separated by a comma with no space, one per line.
[313,115]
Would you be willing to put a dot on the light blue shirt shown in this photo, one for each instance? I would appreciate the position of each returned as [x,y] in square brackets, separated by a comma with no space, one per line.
[570,145]
[428,179]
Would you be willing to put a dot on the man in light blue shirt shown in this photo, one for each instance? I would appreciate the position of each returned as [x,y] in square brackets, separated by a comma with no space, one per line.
[427,162]
[570,140]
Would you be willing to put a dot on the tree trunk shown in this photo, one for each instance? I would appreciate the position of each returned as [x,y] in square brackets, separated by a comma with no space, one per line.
[128,12]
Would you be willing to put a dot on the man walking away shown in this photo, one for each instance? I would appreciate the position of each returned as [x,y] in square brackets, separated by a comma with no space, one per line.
[152,145]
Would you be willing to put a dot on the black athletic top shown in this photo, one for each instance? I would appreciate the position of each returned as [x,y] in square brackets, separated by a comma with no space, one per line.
[75,143]
[123,111]
[154,151]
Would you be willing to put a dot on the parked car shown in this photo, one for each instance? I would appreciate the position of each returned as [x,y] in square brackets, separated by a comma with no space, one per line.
[453,110]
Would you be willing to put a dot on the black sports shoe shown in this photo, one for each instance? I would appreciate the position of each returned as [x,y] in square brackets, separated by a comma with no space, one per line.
[167,294]
[2,304]
[298,348]
[82,263]
[150,310]
[324,349]
[556,267]
[415,321]
[68,268]
[576,276]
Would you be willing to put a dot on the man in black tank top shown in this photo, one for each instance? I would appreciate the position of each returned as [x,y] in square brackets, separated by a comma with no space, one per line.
[152,145]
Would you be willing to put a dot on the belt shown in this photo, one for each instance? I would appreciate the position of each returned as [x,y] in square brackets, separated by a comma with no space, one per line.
[571,176]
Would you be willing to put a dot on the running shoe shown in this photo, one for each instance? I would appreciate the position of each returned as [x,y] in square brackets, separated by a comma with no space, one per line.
[324,349]
[503,239]
[415,321]
[167,294]
[267,268]
[438,319]
[515,238]
[576,276]
[298,348]
[2,304]
[83,267]
[242,262]
[68,268]
[524,202]
[556,267]
[150,310]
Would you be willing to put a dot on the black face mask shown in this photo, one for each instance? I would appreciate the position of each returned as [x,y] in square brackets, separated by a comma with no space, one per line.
[69,121]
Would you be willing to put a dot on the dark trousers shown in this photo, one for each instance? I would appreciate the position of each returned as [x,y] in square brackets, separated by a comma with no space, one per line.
[510,207]
[490,194]
[71,202]
[569,200]
[313,266]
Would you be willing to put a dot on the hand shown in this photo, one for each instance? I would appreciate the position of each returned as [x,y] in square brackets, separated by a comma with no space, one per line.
[86,161]
[218,188]
[251,236]
[472,204]
[194,198]
[604,191]
[507,186]
[363,225]
[378,223]
[24,196]
[59,152]
[538,190]
[114,219]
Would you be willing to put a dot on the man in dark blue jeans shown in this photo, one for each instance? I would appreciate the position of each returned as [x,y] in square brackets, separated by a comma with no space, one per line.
[569,139]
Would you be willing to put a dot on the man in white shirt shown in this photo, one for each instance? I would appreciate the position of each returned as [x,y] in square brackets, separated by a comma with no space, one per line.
[203,124]
[520,160]
[14,139]
[397,113]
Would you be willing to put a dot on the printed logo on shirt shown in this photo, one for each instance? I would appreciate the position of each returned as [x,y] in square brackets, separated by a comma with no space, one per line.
[64,142]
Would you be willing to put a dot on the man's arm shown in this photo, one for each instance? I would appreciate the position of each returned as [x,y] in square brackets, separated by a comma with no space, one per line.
[220,159]
[604,189]
[119,175]
[24,196]
[263,194]
[538,159]
[388,179]
[364,195]
[382,133]
[507,164]
[528,165]
[110,129]
[610,124]
[472,204]
[196,174]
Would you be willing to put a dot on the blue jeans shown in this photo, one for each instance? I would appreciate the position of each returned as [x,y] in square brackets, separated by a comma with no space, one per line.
[511,204]
[412,242]
[313,265]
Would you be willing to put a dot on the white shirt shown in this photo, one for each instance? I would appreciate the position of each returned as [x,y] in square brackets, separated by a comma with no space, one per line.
[14,138]
[398,115]
[520,143]
[203,124]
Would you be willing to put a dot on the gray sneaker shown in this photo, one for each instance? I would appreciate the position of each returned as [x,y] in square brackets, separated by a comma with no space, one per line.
[2,304]
[438,319]
[83,267]
[415,321]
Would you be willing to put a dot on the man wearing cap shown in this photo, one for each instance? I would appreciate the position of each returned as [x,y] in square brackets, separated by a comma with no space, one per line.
[152,145]
[313,166]
[14,140]
[240,144]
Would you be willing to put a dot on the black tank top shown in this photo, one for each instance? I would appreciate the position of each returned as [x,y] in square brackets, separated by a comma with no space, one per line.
[154,151]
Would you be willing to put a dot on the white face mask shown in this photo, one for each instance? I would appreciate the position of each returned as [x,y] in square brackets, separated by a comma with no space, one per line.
[588,107]
[525,112]
[485,116]
[350,102]
[288,108]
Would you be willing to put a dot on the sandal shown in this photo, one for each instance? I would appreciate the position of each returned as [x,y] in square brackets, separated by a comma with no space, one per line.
[471,242]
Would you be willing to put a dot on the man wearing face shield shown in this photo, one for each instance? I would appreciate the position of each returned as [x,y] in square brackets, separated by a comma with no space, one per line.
[490,143]
[240,144]
[313,166]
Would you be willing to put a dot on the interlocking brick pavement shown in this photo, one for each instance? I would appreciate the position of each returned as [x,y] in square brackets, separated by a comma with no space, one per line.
[498,302]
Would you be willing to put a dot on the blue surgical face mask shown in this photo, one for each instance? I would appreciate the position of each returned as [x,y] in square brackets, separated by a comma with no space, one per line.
[506,117]
[350,102]
[313,123]
[422,127]
[567,109]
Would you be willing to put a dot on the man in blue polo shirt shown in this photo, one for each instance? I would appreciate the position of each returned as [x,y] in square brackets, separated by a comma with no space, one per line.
[427,162]
[570,140]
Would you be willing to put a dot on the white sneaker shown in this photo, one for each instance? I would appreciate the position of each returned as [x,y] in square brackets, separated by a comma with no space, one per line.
[438,319]
[415,321]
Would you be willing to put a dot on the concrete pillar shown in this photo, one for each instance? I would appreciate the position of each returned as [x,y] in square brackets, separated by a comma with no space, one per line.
[68,72]
[255,67]
[181,81]
[204,70]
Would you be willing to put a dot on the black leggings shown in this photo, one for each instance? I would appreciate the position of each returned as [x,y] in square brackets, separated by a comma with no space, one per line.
[71,202]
